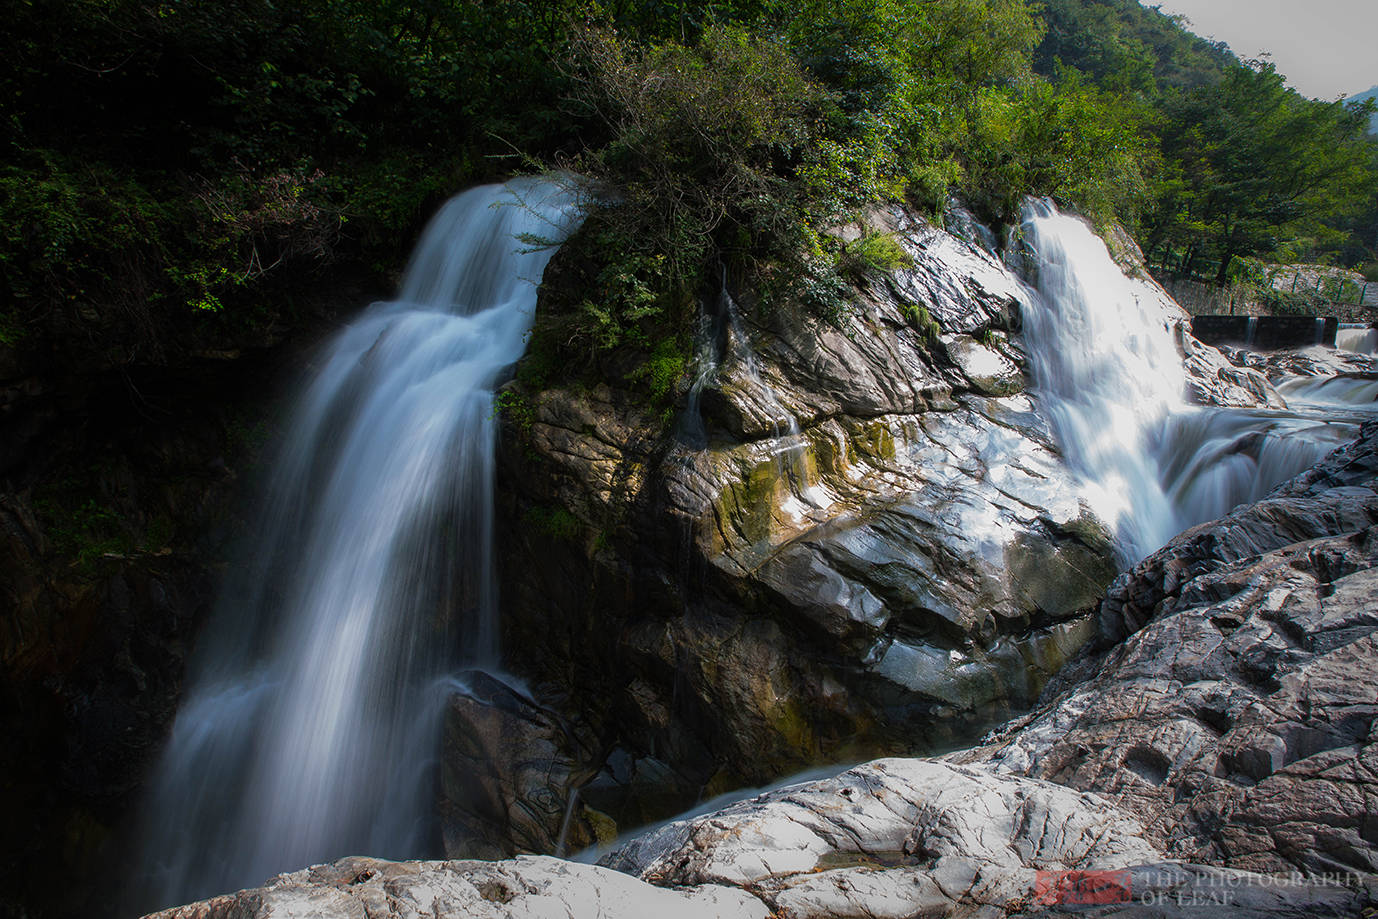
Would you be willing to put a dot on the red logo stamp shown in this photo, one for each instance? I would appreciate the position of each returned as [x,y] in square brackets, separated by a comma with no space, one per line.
[1081,888]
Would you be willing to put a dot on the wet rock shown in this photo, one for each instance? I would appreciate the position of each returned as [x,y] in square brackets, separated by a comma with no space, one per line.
[1315,361]
[985,363]
[1213,380]
[1236,719]
[1238,725]
[520,888]
[869,545]
[508,772]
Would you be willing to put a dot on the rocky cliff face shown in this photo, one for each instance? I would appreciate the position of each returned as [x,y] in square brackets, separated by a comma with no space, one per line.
[1214,757]
[1207,752]
[849,542]
[1227,730]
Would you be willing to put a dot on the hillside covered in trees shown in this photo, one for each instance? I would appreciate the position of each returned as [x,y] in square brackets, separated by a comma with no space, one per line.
[1365,96]
[177,175]
[1245,165]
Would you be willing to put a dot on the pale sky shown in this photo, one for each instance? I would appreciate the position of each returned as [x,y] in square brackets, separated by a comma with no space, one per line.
[1326,48]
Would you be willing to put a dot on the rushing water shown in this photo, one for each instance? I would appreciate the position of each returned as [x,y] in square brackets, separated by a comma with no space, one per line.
[1111,380]
[1361,339]
[1355,393]
[311,718]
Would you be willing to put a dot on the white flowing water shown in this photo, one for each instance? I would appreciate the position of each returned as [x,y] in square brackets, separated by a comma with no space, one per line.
[311,720]
[1361,339]
[1110,378]
[1357,393]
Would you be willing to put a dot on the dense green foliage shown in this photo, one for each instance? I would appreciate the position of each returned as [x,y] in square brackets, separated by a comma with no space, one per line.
[1244,166]
[1250,161]
[1128,48]
[747,150]
[180,173]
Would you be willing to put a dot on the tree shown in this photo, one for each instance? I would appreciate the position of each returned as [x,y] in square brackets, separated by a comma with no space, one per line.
[1253,163]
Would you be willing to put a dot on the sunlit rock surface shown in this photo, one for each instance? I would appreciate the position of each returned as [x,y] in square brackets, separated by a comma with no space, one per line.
[1236,719]
[904,838]
[532,887]
[1315,361]
[847,542]
[1215,760]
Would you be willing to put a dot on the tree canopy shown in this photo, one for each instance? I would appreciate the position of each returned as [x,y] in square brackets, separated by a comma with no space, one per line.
[176,167]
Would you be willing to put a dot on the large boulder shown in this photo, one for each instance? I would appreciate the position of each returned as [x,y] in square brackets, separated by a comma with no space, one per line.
[902,838]
[849,541]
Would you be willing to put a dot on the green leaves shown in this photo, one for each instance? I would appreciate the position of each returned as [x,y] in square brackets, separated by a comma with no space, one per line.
[1255,164]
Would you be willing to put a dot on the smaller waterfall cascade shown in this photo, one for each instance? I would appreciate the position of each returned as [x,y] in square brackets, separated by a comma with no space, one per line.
[1355,393]
[1108,371]
[311,718]
[1361,339]
[1110,378]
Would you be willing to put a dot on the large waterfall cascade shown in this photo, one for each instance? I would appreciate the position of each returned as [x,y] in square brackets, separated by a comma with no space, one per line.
[1111,380]
[312,713]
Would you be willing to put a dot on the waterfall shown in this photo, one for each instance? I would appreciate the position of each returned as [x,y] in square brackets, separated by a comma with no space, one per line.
[311,719]
[1109,376]
[1361,339]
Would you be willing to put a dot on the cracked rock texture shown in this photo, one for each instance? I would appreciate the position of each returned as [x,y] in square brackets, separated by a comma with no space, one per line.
[531,887]
[846,543]
[1236,718]
[1212,754]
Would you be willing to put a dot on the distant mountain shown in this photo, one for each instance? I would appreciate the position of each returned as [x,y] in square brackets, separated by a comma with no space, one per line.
[1362,97]
[1128,46]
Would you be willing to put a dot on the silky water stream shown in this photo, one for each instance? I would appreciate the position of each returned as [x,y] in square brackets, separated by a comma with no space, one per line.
[310,721]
